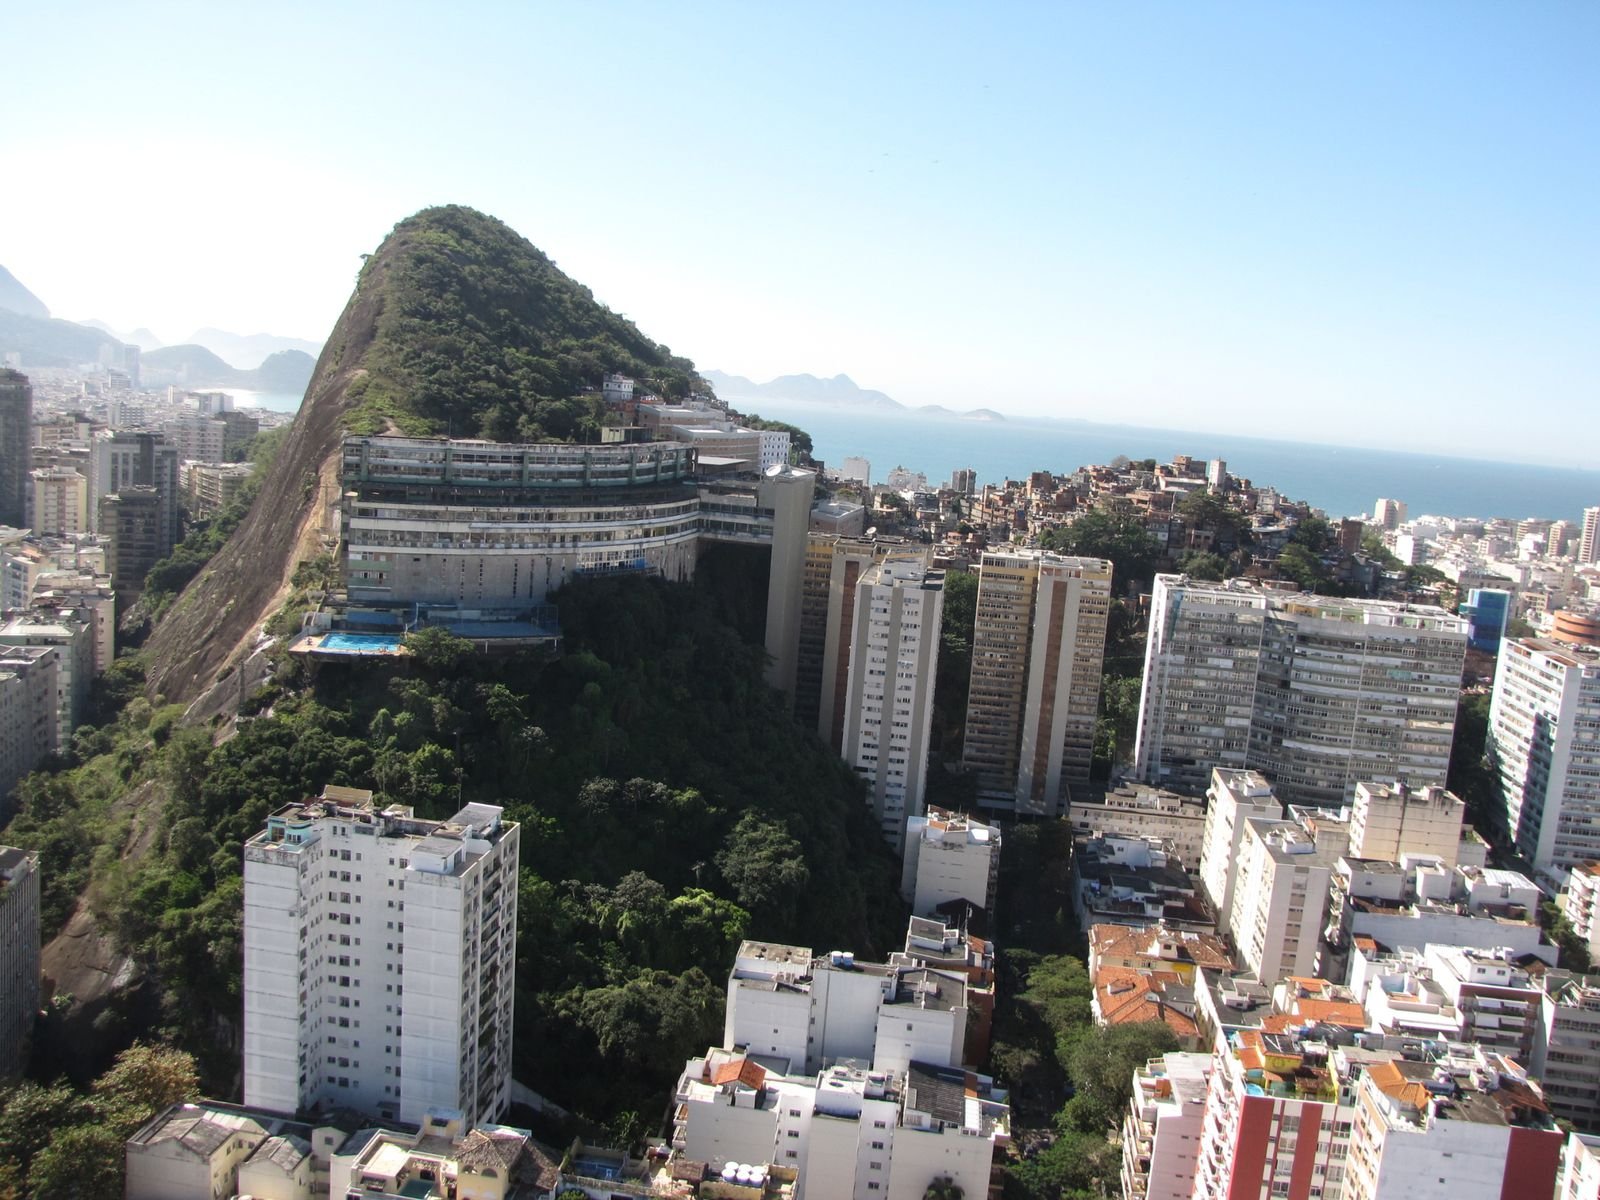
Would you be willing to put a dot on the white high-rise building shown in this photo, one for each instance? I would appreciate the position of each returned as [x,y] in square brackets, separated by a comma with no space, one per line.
[59,501]
[379,953]
[1589,539]
[1281,899]
[1544,745]
[894,651]
[1317,692]
[1233,798]
[1389,514]
[1037,650]
[856,470]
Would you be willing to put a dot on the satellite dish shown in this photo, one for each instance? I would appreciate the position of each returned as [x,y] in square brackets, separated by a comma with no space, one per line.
[873,532]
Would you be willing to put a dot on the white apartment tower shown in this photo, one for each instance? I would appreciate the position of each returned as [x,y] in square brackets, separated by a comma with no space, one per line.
[1317,692]
[1037,650]
[949,857]
[894,651]
[1544,746]
[1281,899]
[59,499]
[1589,539]
[1232,799]
[379,952]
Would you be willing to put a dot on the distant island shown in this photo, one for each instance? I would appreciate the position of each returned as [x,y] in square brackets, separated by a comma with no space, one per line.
[841,391]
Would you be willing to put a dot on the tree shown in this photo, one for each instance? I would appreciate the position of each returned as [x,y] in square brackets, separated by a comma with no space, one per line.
[144,1080]
[1100,1063]
[436,649]
[1202,564]
[1120,537]
[765,866]
[82,1162]
[944,1188]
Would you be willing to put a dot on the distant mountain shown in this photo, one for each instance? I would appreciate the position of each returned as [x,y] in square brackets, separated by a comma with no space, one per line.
[841,389]
[248,351]
[144,339]
[18,299]
[193,366]
[983,414]
[46,342]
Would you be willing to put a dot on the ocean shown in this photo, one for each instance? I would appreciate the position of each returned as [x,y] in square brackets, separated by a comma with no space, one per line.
[1341,480]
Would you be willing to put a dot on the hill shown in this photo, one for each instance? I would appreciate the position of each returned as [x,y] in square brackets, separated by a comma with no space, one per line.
[810,389]
[457,324]
[14,297]
[249,351]
[48,342]
[196,367]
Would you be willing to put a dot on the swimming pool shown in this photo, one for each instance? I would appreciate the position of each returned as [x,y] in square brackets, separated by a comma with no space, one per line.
[361,643]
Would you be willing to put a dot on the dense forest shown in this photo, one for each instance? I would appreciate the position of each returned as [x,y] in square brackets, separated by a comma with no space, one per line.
[478,334]
[670,806]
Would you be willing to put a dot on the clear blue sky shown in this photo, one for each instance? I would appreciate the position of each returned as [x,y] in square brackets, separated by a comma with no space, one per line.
[1365,223]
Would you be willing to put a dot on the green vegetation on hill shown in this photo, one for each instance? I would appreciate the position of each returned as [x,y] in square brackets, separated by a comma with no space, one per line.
[479,334]
[670,806]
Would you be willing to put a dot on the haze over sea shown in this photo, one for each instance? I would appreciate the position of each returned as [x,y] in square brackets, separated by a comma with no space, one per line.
[1341,480]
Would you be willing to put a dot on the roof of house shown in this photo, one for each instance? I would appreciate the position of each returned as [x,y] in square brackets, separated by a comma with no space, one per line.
[1126,995]
[740,1070]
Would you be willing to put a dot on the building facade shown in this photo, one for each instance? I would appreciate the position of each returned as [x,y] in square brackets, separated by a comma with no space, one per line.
[1544,747]
[59,501]
[888,711]
[19,956]
[1319,693]
[123,460]
[1037,650]
[379,951]
[16,444]
[949,857]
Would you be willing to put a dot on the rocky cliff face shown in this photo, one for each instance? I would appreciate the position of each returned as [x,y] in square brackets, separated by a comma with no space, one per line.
[457,324]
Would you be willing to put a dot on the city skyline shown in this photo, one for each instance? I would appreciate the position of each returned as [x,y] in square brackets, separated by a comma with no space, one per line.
[1322,219]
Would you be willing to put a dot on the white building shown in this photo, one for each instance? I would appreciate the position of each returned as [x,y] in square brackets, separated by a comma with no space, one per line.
[1544,745]
[1566,1046]
[949,857]
[853,1133]
[73,633]
[1580,1168]
[856,470]
[1589,538]
[1141,811]
[1281,899]
[1234,798]
[894,653]
[29,709]
[198,438]
[1317,692]
[774,448]
[1390,822]
[1162,1129]
[785,1003]
[1580,900]
[378,959]
[59,504]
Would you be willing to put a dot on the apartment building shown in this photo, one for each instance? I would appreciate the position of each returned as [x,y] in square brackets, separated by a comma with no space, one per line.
[1544,746]
[1389,822]
[1579,901]
[1468,1125]
[851,1132]
[124,460]
[16,439]
[810,1010]
[1234,797]
[1456,993]
[1280,901]
[1318,693]
[1580,1168]
[58,502]
[888,710]
[1037,651]
[29,710]
[197,438]
[378,959]
[73,633]
[1162,1130]
[1420,901]
[1589,537]
[950,857]
[832,570]
[132,523]
[1566,1047]
[19,956]
[1139,810]
[208,487]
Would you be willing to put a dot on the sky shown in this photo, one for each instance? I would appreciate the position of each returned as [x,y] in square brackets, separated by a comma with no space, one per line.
[1363,223]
